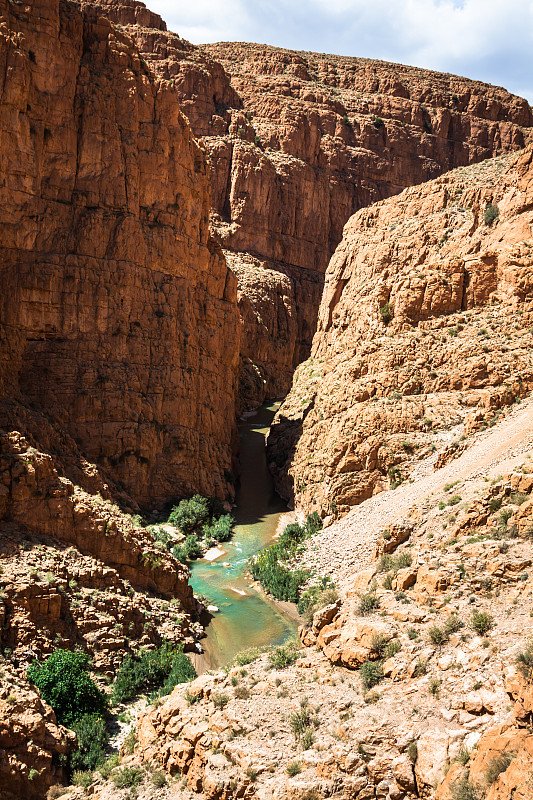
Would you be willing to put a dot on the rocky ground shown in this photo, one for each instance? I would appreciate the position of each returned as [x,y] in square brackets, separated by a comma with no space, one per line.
[404,687]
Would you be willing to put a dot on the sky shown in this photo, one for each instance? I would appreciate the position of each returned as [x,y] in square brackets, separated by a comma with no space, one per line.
[488,40]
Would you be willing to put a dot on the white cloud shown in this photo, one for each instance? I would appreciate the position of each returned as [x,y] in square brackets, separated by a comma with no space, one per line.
[488,40]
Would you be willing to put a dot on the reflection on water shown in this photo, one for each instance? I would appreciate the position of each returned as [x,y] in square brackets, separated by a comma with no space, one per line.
[246,617]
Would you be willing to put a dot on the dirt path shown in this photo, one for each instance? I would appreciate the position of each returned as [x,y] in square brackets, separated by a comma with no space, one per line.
[349,543]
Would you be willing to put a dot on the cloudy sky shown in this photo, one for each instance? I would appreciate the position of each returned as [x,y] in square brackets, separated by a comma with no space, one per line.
[490,40]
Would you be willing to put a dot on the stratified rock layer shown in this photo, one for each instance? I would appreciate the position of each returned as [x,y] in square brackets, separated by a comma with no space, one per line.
[424,324]
[296,143]
[119,317]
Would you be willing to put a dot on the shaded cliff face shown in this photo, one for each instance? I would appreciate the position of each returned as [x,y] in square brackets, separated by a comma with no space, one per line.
[119,317]
[423,333]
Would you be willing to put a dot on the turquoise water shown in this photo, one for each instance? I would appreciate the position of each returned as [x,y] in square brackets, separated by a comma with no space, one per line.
[246,617]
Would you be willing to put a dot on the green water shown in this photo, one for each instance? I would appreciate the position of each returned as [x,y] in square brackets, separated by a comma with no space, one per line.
[247,619]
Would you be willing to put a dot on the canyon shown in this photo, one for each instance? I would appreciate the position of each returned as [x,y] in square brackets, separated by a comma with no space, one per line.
[188,231]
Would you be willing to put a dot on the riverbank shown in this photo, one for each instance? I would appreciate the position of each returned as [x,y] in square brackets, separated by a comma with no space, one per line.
[247,617]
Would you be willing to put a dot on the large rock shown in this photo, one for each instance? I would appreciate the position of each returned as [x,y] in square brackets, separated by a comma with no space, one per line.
[423,304]
[118,312]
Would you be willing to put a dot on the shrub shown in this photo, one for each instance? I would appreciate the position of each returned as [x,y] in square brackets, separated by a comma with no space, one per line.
[162,668]
[317,596]
[93,739]
[285,655]
[371,673]
[378,645]
[524,661]
[313,523]
[65,684]
[158,779]
[247,656]
[83,778]
[452,624]
[241,693]
[412,752]
[482,622]
[220,699]
[377,122]
[306,742]
[462,789]
[190,515]
[294,768]
[496,766]
[386,313]
[491,213]
[220,530]
[392,648]
[368,603]
[437,635]
[127,777]
[463,756]
[129,742]
[301,721]
[270,568]
[109,765]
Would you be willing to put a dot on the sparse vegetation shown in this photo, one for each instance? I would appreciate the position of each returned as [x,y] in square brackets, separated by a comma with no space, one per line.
[371,673]
[482,622]
[368,603]
[491,213]
[284,655]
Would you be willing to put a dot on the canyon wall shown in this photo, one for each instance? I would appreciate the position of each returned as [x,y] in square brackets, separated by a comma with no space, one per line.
[297,142]
[423,335]
[119,317]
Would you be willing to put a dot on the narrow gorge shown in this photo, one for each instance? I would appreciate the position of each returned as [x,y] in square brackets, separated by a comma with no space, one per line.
[205,247]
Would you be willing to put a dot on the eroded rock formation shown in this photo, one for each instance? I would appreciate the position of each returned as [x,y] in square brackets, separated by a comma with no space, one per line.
[296,143]
[118,313]
[424,325]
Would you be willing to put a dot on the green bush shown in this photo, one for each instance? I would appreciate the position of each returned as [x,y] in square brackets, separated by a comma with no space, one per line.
[371,673]
[160,669]
[524,661]
[93,739]
[190,515]
[317,596]
[368,603]
[482,622]
[294,768]
[386,313]
[492,212]
[437,635]
[83,778]
[284,655]
[127,777]
[220,530]
[64,681]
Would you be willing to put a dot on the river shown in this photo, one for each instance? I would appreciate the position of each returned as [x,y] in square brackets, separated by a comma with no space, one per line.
[246,618]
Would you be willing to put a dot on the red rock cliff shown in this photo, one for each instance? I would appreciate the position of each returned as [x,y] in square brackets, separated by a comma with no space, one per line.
[297,142]
[118,313]
[424,327]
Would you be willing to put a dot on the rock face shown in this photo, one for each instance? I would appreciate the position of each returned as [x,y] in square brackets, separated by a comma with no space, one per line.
[119,316]
[424,325]
[30,742]
[296,143]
